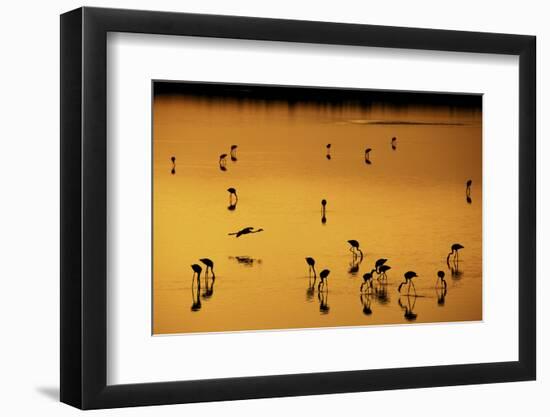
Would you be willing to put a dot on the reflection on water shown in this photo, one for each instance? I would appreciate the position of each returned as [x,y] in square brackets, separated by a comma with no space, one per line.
[407,206]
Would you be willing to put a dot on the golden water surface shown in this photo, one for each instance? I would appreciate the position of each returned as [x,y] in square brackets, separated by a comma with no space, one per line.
[408,205]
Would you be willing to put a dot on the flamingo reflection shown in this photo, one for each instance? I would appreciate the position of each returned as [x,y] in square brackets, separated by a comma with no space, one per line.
[322,296]
[323,211]
[328,151]
[173,159]
[366,303]
[409,315]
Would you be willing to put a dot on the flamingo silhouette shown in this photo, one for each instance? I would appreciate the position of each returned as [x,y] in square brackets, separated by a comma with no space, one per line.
[323,211]
[209,265]
[328,151]
[223,162]
[173,159]
[441,279]
[382,272]
[367,280]
[196,270]
[232,192]
[409,275]
[454,252]
[324,279]
[468,191]
[393,143]
[379,263]
[245,231]
[354,247]
[195,295]
[367,156]
[311,263]
[233,153]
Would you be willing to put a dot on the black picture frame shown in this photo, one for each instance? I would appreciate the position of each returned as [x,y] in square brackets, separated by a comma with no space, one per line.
[84,207]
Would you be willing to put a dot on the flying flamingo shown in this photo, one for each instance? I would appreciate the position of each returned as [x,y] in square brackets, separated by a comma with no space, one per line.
[324,279]
[454,252]
[408,280]
[355,247]
[311,262]
[441,278]
[245,231]
[209,264]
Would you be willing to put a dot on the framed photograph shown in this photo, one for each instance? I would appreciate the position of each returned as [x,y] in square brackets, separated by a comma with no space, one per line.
[257,208]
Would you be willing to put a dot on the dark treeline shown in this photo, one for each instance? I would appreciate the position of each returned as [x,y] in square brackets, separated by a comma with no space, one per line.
[316,95]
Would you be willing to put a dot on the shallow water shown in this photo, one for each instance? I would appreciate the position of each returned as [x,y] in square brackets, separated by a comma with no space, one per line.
[408,205]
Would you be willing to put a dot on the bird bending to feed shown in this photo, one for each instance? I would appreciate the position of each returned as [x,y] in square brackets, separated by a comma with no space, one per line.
[196,270]
[232,192]
[441,278]
[382,272]
[209,264]
[311,262]
[408,280]
[367,280]
[324,278]
[454,252]
[233,153]
[245,231]
[173,159]
[379,263]
[367,155]
[355,247]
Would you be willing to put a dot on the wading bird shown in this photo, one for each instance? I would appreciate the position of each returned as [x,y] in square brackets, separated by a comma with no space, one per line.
[382,272]
[394,143]
[354,247]
[379,263]
[173,159]
[323,211]
[324,279]
[223,162]
[232,192]
[367,280]
[196,270]
[311,263]
[209,264]
[408,280]
[245,231]
[233,153]
[367,156]
[454,252]
[441,278]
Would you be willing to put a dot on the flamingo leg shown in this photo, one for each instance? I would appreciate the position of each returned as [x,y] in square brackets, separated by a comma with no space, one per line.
[414,288]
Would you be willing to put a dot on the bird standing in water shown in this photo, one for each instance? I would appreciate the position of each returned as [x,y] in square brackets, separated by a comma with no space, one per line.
[454,252]
[367,280]
[367,156]
[382,272]
[408,280]
[196,270]
[209,264]
[441,278]
[323,211]
[245,231]
[311,262]
[173,159]
[233,153]
[324,279]
[355,247]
